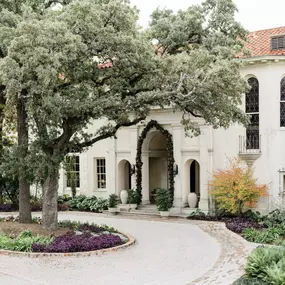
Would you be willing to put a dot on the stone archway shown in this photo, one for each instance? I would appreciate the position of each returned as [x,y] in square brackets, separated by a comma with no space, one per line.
[169,154]
[124,175]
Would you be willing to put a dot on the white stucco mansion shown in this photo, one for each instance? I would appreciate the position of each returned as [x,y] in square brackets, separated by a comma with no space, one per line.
[109,166]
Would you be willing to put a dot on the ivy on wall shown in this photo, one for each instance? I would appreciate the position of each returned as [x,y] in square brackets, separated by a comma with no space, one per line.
[170,158]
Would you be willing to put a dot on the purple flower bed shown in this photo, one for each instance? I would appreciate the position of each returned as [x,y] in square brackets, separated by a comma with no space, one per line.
[79,243]
[234,224]
[90,228]
[8,208]
[237,225]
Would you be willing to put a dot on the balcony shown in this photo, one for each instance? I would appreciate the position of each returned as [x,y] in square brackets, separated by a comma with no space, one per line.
[250,147]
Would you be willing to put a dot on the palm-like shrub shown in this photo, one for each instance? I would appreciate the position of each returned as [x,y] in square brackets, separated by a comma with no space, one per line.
[113,201]
[163,201]
[133,197]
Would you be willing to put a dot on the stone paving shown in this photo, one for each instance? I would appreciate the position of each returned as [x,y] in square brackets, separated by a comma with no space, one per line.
[234,250]
[167,252]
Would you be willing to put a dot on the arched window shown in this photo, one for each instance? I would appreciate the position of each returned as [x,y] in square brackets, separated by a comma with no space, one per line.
[282,103]
[252,109]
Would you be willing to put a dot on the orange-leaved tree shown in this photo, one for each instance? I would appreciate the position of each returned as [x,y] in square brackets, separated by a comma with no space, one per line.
[235,187]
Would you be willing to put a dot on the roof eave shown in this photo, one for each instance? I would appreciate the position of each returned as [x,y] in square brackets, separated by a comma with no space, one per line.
[262,59]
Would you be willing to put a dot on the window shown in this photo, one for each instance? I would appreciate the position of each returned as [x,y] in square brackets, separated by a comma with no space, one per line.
[72,168]
[278,42]
[282,103]
[101,173]
[252,109]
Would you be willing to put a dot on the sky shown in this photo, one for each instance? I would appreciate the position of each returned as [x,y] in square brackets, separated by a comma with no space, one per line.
[253,14]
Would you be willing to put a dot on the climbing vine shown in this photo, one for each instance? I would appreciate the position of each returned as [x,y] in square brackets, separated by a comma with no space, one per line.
[170,158]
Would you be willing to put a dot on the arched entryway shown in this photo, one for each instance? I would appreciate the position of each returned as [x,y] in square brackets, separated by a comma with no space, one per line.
[158,166]
[124,175]
[143,154]
[192,178]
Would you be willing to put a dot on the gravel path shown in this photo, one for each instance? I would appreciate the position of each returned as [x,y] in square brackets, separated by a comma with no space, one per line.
[174,252]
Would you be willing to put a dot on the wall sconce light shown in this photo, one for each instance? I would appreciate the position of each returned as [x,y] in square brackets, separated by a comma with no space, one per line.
[133,169]
[175,169]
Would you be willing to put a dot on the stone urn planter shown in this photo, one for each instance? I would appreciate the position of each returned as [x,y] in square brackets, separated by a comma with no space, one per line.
[124,196]
[192,200]
[164,214]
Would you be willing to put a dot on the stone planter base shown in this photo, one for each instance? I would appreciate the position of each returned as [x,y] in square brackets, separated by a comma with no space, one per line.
[164,214]
[113,211]
[133,206]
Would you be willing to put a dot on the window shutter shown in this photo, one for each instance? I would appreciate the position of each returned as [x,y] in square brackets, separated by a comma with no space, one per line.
[274,43]
[280,42]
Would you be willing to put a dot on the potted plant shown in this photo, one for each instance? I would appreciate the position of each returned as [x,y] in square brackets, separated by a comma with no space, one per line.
[132,199]
[162,200]
[112,203]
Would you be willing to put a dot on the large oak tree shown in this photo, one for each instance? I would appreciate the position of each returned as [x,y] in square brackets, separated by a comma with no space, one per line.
[60,60]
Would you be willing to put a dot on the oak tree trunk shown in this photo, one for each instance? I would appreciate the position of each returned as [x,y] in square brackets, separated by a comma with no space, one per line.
[2,103]
[25,215]
[49,216]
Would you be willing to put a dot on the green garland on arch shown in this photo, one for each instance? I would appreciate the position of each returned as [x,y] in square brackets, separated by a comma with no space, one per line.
[170,158]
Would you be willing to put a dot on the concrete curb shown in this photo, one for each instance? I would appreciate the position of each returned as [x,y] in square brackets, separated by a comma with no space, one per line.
[131,241]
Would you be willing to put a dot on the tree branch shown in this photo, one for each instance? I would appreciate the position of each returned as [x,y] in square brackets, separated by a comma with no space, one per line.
[109,134]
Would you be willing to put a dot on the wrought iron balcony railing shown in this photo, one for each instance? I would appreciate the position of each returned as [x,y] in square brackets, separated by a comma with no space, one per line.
[250,144]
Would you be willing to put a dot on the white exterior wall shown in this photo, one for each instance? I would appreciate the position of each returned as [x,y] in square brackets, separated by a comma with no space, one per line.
[210,149]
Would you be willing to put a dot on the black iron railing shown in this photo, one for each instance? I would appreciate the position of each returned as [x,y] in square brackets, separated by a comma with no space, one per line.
[251,143]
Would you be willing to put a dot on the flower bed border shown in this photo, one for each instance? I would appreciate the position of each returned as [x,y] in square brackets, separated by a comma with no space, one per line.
[131,241]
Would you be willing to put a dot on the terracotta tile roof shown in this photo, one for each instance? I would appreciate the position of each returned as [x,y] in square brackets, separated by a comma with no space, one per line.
[259,42]
[104,65]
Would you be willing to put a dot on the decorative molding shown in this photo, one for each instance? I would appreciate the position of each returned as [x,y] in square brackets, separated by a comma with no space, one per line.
[123,152]
[249,158]
[193,150]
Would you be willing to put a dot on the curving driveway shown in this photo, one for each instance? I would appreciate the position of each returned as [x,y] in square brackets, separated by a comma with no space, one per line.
[166,253]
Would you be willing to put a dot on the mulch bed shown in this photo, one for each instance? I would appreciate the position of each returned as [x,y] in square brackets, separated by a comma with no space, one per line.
[16,228]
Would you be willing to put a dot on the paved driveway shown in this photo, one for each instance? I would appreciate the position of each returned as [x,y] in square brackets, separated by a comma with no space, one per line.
[165,253]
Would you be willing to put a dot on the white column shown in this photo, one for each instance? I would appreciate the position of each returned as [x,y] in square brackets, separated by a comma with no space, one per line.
[177,145]
[205,167]
[145,178]
[111,168]
[61,182]
[84,189]
[133,147]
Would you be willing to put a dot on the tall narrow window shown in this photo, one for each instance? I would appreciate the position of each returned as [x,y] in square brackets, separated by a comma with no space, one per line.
[101,173]
[282,103]
[252,109]
[72,168]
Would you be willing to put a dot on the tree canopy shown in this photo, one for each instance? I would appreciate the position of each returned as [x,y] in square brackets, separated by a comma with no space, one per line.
[55,59]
